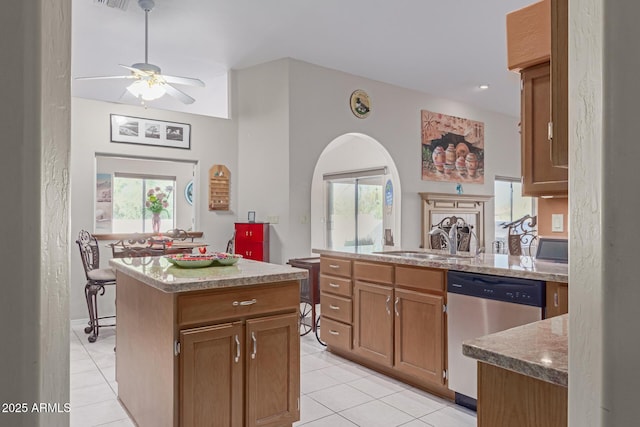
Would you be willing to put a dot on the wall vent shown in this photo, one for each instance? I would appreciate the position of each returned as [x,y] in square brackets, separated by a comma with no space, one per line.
[117,4]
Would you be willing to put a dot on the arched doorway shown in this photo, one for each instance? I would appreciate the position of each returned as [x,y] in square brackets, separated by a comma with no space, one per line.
[356,167]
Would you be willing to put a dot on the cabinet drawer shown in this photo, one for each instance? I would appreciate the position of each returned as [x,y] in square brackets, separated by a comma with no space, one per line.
[208,307]
[336,267]
[335,334]
[420,278]
[335,307]
[372,272]
[335,285]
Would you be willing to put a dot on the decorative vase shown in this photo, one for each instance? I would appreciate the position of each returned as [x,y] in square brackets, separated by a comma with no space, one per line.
[155,223]
[471,162]
[438,158]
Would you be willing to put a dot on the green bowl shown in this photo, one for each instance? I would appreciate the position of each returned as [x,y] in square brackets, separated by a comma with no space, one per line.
[194,261]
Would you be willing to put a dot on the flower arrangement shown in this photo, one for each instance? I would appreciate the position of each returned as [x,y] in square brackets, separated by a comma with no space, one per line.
[157,200]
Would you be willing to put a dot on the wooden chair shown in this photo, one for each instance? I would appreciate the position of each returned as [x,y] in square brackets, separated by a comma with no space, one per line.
[97,279]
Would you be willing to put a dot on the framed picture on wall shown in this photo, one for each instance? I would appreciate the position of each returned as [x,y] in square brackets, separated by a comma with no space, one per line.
[137,130]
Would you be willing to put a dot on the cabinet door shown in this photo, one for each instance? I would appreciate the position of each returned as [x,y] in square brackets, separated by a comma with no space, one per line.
[557,299]
[273,371]
[250,250]
[211,382]
[418,347]
[540,177]
[373,322]
[251,232]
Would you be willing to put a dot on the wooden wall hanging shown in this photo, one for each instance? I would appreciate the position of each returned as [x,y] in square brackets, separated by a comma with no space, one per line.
[219,188]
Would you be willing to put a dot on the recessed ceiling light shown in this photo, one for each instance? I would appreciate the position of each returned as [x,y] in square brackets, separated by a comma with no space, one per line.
[484,86]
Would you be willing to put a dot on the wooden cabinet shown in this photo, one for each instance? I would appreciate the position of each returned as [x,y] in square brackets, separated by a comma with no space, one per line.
[227,357]
[252,240]
[419,337]
[398,318]
[273,371]
[540,177]
[211,373]
[537,44]
[336,302]
[557,299]
[373,322]
[560,82]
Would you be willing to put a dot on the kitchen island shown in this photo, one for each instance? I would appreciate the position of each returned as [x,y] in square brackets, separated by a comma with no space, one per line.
[208,346]
[523,374]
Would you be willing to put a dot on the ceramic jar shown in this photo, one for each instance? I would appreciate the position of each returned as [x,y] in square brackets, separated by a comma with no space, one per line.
[471,162]
[461,166]
[439,158]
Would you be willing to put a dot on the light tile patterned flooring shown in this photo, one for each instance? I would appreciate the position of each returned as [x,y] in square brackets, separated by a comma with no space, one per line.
[334,392]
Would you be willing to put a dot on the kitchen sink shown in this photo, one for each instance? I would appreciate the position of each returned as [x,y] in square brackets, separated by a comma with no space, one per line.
[427,255]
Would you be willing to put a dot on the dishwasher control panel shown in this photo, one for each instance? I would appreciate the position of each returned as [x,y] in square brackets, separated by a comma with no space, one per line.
[508,289]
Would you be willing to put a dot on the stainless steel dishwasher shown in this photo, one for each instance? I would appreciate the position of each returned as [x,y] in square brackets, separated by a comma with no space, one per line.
[478,305]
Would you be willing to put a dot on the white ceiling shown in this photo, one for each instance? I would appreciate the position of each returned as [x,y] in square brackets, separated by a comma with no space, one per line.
[442,47]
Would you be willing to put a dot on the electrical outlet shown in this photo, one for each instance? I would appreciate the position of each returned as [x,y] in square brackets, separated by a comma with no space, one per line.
[557,223]
[273,219]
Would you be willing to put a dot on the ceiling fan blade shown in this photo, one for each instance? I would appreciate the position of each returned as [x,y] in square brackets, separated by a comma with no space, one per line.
[106,77]
[178,94]
[135,70]
[188,81]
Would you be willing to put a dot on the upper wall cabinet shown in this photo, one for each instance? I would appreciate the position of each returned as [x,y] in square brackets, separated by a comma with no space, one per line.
[537,48]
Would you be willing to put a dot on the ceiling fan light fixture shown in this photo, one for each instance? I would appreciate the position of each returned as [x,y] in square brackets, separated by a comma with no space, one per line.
[148,91]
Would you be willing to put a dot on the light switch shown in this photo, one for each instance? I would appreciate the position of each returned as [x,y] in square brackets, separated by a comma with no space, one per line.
[557,223]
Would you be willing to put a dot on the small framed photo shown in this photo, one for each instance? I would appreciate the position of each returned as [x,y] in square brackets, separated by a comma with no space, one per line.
[136,130]
[252,216]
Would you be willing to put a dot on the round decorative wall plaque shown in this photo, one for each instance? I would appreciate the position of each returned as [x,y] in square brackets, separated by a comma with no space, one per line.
[360,104]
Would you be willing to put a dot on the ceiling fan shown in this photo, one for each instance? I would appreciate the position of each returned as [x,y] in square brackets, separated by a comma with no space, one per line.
[149,82]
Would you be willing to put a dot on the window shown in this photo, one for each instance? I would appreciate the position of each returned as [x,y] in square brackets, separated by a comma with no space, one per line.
[122,184]
[355,210]
[510,205]
[129,198]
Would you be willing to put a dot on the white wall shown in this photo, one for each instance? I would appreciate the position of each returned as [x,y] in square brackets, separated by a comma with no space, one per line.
[319,112]
[213,141]
[34,117]
[262,96]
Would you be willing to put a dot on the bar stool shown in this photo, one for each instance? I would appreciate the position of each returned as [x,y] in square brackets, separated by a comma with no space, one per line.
[97,279]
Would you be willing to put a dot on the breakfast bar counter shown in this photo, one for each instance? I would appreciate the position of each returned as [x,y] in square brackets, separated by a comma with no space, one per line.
[206,346]
[523,374]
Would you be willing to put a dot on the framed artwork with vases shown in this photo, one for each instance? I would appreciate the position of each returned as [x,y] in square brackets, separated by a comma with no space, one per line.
[452,148]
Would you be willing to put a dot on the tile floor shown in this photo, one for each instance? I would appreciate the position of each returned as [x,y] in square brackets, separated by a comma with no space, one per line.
[334,392]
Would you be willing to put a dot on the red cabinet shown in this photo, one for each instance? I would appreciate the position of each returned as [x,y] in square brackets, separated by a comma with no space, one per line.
[252,240]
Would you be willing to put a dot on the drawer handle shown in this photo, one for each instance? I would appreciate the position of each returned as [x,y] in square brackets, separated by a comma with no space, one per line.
[334,307]
[334,266]
[255,345]
[237,358]
[332,332]
[556,302]
[333,285]
[243,303]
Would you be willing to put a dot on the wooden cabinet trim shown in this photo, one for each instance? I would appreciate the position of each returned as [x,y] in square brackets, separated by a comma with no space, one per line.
[420,278]
[335,285]
[198,308]
[335,266]
[373,272]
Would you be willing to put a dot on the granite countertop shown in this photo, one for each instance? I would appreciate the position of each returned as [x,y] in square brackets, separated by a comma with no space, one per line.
[159,273]
[496,264]
[538,350]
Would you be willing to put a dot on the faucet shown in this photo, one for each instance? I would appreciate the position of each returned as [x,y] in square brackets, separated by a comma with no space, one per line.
[451,238]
